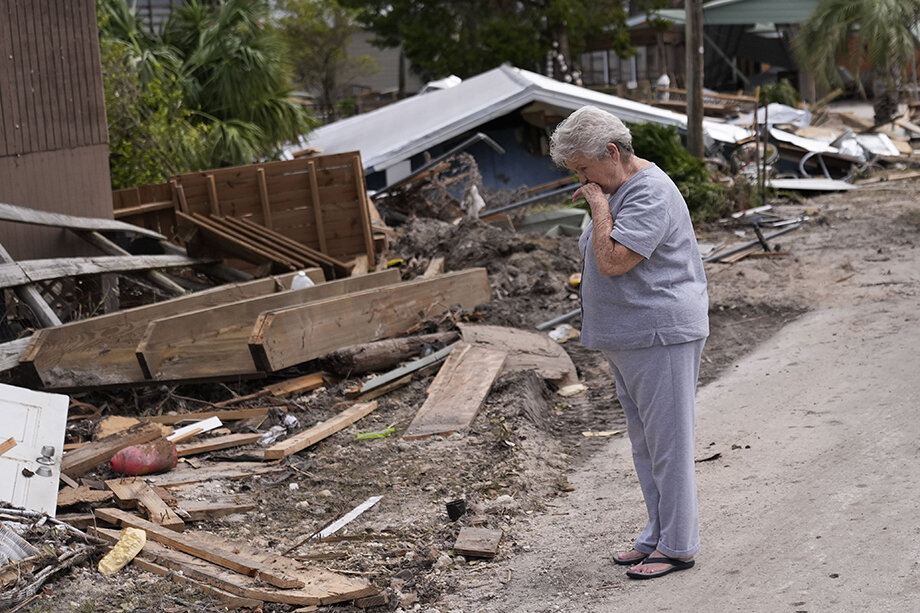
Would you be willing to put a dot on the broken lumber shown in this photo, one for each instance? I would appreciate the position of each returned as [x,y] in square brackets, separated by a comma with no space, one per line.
[222,414]
[218,442]
[134,492]
[384,354]
[526,351]
[91,455]
[297,385]
[311,436]
[100,351]
[320,586]
[212,472]
[24,272]
[81,494]
[295,335]
[10,212]
[200,547]
[477,542]
[201,510]
[455,395]
[214,342]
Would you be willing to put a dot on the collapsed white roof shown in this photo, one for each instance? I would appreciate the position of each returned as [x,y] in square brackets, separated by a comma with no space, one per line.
[400,130]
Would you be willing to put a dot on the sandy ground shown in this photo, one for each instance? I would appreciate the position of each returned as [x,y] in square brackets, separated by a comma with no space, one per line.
[811,504]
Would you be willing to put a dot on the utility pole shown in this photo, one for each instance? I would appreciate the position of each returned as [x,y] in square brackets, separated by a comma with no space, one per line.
[694,47]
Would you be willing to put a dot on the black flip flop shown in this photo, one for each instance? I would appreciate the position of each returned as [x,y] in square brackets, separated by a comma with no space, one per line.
[674,563]
[630,562]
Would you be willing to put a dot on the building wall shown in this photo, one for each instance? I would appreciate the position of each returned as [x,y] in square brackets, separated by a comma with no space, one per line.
[53,134]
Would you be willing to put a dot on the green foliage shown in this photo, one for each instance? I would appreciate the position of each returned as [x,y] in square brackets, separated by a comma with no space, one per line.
[212,89]
[705,198]
[443,37]
[317,33]
[150,135]
[861,32]
[782,92]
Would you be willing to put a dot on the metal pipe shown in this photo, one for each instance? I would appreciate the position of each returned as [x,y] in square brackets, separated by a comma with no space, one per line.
[718,256]
[532,199]
[559,320]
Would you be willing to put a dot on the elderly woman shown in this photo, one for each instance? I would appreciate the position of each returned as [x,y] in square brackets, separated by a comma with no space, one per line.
[645,306]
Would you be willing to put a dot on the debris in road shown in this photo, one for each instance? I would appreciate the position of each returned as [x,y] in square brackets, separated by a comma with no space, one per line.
[477,542]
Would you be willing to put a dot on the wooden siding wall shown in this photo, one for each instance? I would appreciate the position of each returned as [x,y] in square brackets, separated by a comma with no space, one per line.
[53,134]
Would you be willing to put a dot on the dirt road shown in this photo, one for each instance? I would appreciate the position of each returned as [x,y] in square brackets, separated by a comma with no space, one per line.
[812,503]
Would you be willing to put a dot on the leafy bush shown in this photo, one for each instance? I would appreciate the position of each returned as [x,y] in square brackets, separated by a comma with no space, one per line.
[782,92]
[705,198]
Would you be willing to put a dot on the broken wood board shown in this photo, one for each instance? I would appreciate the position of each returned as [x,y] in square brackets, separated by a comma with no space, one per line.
[145,560]
[100,351]
[202,510]
[184,475]
[200,545]
[455,395]
[297,385]
[134,492]
[294,335]
[89,456]
[311,436]
[25,272]
[477,542]
[526,351]
[83,494]
[221,414]
[320,586]
[9,212]
[10,352]
[218,442]
[214,342]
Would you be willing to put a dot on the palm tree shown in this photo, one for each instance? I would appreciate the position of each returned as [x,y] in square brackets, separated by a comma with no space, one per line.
[877,32]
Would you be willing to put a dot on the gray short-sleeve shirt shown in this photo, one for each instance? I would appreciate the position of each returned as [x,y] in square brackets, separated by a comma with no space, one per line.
[663,299]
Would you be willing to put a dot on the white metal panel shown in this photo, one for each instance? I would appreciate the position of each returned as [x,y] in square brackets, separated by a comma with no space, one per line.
[36,420]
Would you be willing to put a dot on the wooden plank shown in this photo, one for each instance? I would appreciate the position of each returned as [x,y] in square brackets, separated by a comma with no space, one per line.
[101,350]
[203,510]
[362,206]
[229,242]
[182,567]
[294,335]
[56,268]
[311,436]
[212,195]
[9,212]
[298,385]
[295,247]
[199,547]
[10,352]
[134,492]
[184,475]
[264,199]
[218,442]
[477,542]
[141,209]
[317,206]
[91,455]
[526,351]
[456,394]
[82,494]
[30,295]
[320,586]
[185,346]
[110,248]
[223,415]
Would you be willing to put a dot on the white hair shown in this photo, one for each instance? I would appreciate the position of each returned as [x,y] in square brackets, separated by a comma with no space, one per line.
[587,132]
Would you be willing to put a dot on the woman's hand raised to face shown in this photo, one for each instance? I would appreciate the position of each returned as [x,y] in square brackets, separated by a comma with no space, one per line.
[594,195]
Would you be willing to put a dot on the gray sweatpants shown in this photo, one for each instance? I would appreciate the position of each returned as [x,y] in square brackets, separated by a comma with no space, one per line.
[657,387]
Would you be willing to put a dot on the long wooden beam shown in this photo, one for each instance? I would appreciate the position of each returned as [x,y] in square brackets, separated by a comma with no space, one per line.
[283,338]
[30,271]
[10,212]
[214,343]
[101,351]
